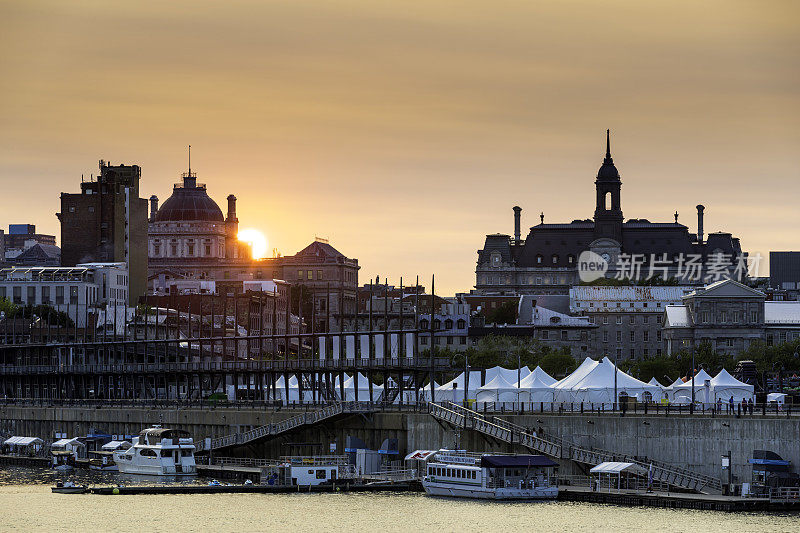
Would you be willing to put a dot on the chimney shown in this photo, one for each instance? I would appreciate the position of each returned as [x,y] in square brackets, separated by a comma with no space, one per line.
[517,211]
[153,207]
[700,209]
[231,209]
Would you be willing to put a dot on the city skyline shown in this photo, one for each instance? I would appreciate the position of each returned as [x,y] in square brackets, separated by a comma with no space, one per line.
[404,136]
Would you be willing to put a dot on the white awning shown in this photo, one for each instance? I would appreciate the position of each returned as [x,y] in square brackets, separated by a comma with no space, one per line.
[64,442]
[23,441]
[615,467]
[116,444]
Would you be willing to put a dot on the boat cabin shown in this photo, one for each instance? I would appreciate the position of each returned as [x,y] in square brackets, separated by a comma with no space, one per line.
[305,471]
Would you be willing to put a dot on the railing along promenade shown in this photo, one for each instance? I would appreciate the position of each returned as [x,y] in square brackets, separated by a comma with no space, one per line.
[555,446]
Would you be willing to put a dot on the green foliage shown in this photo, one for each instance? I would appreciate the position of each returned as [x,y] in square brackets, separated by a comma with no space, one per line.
[47,314]
[506,351]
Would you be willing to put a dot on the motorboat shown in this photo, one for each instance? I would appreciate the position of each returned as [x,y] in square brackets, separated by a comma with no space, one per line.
[158,451]
[103,459]
[68,487]
[493,477]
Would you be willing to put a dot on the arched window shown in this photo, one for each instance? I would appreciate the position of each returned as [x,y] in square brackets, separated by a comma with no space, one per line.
[647,397]
[607,201]
[448,324]
[461,323]
[571,259]
[555,259]
[423,324]
[539,259]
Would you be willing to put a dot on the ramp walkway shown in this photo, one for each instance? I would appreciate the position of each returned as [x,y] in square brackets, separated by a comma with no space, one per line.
[290,424]
[557,447]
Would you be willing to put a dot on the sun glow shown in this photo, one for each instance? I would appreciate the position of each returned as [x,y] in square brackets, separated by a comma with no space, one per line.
[256,240]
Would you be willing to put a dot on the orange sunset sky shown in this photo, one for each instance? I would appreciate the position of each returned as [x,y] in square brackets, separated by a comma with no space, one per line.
[405,131]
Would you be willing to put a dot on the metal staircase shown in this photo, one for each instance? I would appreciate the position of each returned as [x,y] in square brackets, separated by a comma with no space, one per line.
[559,448]
[273,430]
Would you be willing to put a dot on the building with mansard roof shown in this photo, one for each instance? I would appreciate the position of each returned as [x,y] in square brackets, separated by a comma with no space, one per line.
[547,260]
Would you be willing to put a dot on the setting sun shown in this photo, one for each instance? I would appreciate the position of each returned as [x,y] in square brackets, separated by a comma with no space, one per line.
[257,241]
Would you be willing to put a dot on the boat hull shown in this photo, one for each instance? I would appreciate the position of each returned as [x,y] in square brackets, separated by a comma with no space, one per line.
[481,493]
[149,470]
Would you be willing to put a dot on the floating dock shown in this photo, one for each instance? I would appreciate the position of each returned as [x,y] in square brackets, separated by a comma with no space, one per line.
[673,500]
[255,489]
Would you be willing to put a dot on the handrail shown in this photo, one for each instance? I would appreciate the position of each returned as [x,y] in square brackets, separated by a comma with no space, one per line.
[556,447]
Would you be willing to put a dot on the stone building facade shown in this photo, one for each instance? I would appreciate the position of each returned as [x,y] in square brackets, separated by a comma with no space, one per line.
[729,316]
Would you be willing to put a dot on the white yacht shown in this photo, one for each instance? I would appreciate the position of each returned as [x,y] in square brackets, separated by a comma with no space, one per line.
[160,452]
[493,477]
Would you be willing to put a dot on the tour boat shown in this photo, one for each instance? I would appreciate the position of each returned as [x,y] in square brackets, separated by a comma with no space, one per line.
[493,477]
[158,451]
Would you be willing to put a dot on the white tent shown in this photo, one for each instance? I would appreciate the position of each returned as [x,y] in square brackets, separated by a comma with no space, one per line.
[363,389]
[424,394]
[509,374]
[453,390]
[776,397]
[538,375]
[724,387]
[661,388]
[499,390]
[683,393]
[534,389]
[596,383]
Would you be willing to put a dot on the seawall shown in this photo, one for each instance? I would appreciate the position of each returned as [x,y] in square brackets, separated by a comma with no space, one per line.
[691,442]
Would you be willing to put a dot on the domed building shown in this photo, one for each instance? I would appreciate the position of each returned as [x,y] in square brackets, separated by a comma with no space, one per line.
[189,238]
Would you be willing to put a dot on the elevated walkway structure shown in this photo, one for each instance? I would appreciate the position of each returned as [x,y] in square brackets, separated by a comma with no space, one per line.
[559,448]
[290,424]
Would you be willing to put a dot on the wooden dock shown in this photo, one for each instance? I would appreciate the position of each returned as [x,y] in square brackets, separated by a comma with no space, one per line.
[673,500]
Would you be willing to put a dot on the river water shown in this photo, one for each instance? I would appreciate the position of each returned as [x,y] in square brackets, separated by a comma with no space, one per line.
[26,504]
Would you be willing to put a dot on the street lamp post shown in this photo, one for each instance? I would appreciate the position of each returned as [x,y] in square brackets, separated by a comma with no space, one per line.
[691,407]
[615,382]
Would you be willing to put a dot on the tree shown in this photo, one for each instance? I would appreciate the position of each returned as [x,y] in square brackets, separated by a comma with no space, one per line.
[558,363]
[505,314]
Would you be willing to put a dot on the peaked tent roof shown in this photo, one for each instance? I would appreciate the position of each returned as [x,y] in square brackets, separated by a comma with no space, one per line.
[509,374]
[699,380]
[653,381]
[601,376]
[499,383]
[677,383]
[537,379]
[579,373]
[474,381]
[724,379]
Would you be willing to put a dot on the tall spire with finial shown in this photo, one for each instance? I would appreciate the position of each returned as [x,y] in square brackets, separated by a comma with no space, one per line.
[190,159]
[608,144]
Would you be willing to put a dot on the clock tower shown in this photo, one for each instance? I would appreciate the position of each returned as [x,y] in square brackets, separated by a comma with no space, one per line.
[608,211]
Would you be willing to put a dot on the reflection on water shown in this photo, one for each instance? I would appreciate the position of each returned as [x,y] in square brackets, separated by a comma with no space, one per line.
[26,504]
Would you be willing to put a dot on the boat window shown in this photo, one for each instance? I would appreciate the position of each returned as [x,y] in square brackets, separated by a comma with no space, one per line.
[321,474]
[310,471]
[148,453]
[186,453]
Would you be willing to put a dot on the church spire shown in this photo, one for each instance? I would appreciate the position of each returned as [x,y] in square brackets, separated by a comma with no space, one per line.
[608,171]
[608,144]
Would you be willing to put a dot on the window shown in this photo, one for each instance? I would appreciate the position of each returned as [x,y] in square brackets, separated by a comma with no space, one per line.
[73,294]
[146,452]
[191,249]
[555,259]
[619,319]
[31,295]
[633,353]
[319,274]
[646,352]
[173,250]
[723,317]
[564,335]
[423,341]
[463,340]
[545,334]
[632,319]
[2,292]
[605,319]
[729,342]
[310,274]
[658,336]
[633,336]
[605,336]
[156,249]
[449,340]
[60,294]
[619,353]
[321,474]
[17,295]
[461,324]
[448,324]
[208,250]
[299,274]
[423,324]
[753,316]
[646,336]
[437,324]
[704,316]
[619,336]
[45,295]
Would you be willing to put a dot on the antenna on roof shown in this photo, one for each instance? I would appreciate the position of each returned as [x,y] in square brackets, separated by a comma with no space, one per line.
[190,159]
